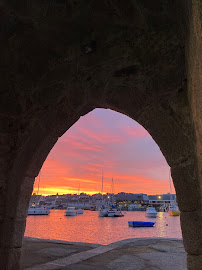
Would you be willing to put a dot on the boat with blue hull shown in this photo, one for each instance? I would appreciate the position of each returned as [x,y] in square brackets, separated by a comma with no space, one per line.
[140,224]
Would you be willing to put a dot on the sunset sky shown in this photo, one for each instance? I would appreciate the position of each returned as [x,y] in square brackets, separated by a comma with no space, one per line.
[109,142]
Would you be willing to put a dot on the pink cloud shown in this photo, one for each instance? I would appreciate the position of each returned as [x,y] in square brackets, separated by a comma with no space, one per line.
[106,141]
[136,132]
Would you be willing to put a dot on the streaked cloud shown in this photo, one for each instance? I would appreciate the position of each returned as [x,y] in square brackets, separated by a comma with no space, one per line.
[109,142]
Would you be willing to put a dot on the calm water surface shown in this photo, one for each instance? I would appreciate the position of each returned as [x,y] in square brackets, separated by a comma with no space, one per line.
[93,229]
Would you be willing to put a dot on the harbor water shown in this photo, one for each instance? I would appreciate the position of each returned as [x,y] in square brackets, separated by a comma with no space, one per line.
[91,228]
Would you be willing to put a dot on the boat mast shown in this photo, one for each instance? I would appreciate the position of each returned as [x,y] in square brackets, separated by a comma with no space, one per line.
[112,191]
[78,194]
[170,184]
[102,188]
[38,188]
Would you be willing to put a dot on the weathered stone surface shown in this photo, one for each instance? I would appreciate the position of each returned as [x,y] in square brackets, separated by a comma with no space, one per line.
[12,232]
[131,254]
[194,262]
[191,223]
[138,58]
[10,259]
[60,252]
[126,262]
[165,260]
[194,69]
[186,186]
[167,133]
[19,193]
[23,202]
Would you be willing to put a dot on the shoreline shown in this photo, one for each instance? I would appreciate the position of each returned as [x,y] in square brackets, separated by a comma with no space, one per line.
[56,241]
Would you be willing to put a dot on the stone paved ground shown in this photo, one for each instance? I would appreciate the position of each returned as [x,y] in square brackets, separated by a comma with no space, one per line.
[130,254]
[40,251]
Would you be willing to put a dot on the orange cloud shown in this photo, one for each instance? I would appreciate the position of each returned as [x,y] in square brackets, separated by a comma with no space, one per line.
[108,142]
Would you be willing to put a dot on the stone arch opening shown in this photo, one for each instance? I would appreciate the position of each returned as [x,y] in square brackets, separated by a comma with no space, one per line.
[158,120]
[105,132]
[104,168]
[134,54]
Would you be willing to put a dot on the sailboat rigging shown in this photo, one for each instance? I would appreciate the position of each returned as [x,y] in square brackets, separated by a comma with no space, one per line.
[36,210]
[79,211]
[103,212]
[173,209]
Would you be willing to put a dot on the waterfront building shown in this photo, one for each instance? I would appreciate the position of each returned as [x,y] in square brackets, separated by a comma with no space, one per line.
[128,200]
[36,199]
[161,199]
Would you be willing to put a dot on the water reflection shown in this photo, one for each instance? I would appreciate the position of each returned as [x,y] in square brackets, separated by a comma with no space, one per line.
[93,229]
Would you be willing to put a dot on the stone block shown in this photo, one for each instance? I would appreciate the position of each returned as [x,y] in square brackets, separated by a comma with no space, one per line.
[24,197]
[10,259]
[18,196]
[194,262]
[167,133]
[12,233]
[39,155]
[191,224]
[26,153]
[187,188]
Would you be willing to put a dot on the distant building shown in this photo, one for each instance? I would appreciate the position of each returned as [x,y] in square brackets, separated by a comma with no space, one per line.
[125,200]
[83,205]
[133,198]
[36,199]
[161,199]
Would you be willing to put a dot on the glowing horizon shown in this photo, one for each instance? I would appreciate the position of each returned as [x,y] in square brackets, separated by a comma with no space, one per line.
[109,142]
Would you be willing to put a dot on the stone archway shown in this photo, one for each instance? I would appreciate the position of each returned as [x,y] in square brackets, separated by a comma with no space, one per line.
[60,60]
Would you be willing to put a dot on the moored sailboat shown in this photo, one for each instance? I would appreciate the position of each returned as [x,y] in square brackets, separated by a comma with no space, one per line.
[151,212]
[70,211]
[173,208]
[114,211]
[36,210]
[79,211]
[103,212]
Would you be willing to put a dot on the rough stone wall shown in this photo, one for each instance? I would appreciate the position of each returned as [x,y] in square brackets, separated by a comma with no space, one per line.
[61,59]
[194,72]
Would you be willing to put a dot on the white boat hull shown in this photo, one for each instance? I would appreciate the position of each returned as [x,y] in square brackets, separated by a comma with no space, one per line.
[70,213]
[103,213]
[38,211]
[151,212]
[118,214]
[114,213]
[80,211]
[151,215]
[111,214]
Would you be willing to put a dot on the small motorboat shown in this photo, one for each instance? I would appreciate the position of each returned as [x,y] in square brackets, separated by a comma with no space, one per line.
[118,213]
[37,211]
[151,212]
[70,211]
[173,210]
[114,212]
[111,212]
[103,212]
[80,211]
[140,224]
